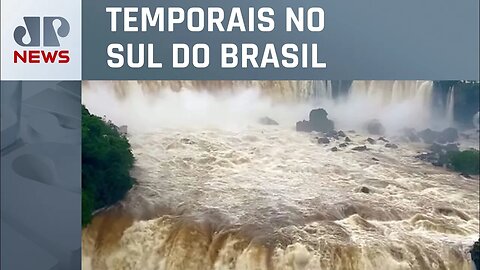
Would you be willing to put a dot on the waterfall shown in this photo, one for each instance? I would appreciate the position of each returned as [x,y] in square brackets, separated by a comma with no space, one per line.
[217,190]
[284,91]
[476,120]
[397,104]
[385,93]
[450,105]
[322,90]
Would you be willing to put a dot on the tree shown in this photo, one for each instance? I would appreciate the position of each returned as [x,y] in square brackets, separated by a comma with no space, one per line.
[106,163]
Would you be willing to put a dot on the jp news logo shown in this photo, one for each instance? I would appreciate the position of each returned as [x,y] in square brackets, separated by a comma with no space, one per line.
[44,39]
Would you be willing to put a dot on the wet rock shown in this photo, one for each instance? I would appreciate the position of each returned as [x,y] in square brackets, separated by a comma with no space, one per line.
[341,134]
[441,161]
[436,148]
[360,148]
[318,121]
[334,149]
[342,145]
[332,134]
[439,154]
[374,127]
[448,135]
[268,121]
[428,135]
[438,164]
[370,140]
[186,141]
[466,175]
[383,139]
[303,126]
[452,147]
[347,139]
[428,157]
[323,140]
[443,148]
[411,134]
[364,190]
[391,145]
[375,159]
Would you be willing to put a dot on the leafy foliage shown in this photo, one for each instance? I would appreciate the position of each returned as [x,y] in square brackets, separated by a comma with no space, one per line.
[106,163]
[467,161]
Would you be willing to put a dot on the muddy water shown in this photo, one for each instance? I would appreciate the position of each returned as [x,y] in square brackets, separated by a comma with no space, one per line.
[267,197]
[216,190]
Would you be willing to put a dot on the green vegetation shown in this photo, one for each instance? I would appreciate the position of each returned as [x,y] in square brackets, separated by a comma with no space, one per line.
[467,99]
[106,163]
[467,161]
[475,253]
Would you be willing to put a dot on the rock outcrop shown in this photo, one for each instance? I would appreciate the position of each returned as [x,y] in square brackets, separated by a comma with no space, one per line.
[360,148]
[374,127]
[411,134]
[323,140]
[267,121]
[303,126]
[364,189]
[447,135]
[438,154]
[317,121]
[382,139]
[391,145]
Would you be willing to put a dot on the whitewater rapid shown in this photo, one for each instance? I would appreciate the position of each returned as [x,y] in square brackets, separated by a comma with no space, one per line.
[278,200]
[249,196]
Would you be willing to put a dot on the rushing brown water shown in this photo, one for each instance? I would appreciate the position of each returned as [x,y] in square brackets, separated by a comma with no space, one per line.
[217,195]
